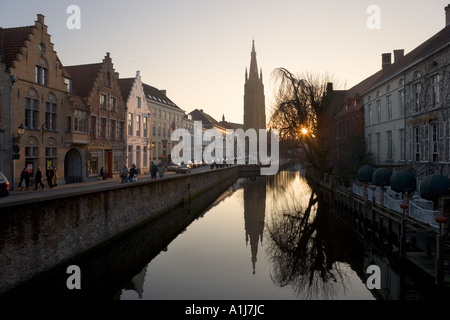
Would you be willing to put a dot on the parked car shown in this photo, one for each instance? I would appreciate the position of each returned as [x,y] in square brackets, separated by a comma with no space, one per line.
[184,168]
[172,167]
[4,185]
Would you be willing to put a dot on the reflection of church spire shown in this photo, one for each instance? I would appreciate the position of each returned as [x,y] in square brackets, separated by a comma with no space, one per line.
[254,215]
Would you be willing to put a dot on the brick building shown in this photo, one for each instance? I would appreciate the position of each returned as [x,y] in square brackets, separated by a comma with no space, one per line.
[39,98]
[104,119]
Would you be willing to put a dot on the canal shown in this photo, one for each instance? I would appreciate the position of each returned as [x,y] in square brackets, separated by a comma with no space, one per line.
[263,238]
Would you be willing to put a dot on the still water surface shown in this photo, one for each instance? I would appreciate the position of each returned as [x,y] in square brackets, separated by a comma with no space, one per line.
[262,239]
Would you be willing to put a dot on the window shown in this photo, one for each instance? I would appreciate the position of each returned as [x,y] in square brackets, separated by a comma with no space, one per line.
[130,124]
[401,103]
[121,130]
[108,79]
[112,129]
[389,107]
[369,143]
[103,101]
[417,142]
[41,75]
[435,139]
[31,113]
[435,91]
[370,114]
[139,102]
[81,121]
[69,124]
[417,96]
[93,127]
[154,129]
[159,129]
[112,104]
[389,144]
[69,84]
[50,152]
[379,110]
[103,122]
[50,116]
[138,126]
[425,156]
[402,144]
[145,127]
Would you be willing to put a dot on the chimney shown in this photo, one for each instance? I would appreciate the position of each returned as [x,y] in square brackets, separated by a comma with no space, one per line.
[40,18]
[398,54]
[164,92]
[386,59]
[447,15]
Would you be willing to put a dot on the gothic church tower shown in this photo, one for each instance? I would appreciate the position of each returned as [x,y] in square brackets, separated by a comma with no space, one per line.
[254,99]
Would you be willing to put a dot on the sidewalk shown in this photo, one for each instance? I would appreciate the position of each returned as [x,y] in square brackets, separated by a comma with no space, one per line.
[66,189]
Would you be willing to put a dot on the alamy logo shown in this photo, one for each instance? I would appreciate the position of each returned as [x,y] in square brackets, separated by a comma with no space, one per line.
[74,20]
[374,20]
[230,146]
[74,281]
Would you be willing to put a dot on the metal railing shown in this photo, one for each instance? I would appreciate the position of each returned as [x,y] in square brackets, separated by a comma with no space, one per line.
[414,211]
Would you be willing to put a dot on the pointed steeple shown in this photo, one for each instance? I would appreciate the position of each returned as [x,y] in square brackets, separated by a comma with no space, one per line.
[253,64]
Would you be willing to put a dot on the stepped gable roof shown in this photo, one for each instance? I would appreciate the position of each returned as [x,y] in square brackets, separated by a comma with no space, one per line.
[125,86]
[83,77]
[439,41]
[156,95]
[12,40]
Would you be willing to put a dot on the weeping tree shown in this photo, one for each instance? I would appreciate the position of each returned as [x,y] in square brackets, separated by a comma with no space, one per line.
[303,113]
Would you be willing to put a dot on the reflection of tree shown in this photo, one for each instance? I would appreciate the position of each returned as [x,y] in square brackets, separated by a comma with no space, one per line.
[302,247]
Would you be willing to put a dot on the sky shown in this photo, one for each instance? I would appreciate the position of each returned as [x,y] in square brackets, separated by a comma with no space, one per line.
[198,50]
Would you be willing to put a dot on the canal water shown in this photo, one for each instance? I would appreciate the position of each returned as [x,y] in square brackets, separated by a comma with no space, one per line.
[263,238]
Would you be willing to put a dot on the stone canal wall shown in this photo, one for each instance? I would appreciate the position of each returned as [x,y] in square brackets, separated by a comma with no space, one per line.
[36,236]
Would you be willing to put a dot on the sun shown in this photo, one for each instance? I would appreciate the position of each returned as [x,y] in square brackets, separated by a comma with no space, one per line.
[304,131]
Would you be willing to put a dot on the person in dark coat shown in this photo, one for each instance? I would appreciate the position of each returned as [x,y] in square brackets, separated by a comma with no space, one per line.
[153,170]
[24,178]
[103,174]
[38,179]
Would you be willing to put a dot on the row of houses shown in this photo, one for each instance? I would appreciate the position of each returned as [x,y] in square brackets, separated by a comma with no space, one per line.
[79,118]
[402,112]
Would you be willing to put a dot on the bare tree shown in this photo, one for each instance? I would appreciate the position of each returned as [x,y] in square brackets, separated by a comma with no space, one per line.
[302,112]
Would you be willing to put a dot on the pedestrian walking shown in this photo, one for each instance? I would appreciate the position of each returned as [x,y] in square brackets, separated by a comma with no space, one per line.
[50,174]
[124,174]
[153,170]
[24,179]
[55,177]
[38,179]
[161,170]
[133,173]
[102,173]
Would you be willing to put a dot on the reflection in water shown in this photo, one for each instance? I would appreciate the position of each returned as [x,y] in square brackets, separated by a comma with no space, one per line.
[303,247]
[254,214]
[293,248]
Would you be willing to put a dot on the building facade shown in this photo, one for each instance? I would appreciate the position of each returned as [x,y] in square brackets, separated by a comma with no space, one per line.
[39,99]
[166,117]
[104,120]
[138,120]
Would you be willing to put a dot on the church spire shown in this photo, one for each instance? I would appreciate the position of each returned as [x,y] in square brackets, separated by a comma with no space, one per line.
[253,64]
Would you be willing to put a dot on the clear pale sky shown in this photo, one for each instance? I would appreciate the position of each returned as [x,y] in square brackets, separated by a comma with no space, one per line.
[198,50]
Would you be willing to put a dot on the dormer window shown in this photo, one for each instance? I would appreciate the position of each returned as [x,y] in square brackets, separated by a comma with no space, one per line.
[42,47]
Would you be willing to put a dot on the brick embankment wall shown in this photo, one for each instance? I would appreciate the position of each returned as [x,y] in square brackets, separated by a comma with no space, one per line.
[36,236]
